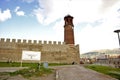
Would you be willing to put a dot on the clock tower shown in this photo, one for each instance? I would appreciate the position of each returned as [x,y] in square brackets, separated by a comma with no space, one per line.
[68,30]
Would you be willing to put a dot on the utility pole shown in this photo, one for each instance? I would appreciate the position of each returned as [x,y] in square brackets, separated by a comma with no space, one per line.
[117,31]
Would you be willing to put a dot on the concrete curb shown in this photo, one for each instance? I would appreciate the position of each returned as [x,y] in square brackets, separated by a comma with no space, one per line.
[56,76]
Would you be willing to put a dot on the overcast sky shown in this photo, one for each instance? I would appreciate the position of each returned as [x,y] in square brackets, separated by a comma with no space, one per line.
[94,21]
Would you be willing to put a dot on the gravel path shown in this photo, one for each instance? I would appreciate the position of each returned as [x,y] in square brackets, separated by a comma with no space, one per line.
[77,72]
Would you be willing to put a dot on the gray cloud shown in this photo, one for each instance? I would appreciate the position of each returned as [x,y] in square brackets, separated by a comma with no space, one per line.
[43,10]
[45,6]
[107,4]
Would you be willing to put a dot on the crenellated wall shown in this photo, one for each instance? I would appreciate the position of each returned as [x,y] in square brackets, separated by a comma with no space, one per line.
[51,51]
[24,41]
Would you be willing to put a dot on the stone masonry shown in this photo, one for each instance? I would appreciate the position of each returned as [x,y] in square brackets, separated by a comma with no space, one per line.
[52,52]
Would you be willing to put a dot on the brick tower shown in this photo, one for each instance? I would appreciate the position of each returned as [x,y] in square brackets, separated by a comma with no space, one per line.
[68,30]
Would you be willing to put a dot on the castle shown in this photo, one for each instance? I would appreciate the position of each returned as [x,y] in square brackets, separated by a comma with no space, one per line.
[51,51]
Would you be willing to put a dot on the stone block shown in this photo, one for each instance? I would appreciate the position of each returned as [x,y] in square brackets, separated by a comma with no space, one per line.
[29,41]
[35,42]
[45,42]
[50,42]
[2,40]
[24,41]
[54,42]
[13,40]
[59,43]
[19,41]
[40,42]
[7,40]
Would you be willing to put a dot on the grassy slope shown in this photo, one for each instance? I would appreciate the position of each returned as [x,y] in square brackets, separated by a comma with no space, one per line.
[114,72]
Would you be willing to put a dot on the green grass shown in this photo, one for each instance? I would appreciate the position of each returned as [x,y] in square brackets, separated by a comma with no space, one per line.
[58,64]
[18,64]
[113,72]
[32,72]
[29,72]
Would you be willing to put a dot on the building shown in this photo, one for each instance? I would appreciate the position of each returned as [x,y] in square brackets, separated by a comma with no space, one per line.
[51,51]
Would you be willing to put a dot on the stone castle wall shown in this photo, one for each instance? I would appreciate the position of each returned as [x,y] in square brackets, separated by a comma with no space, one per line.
[52,52]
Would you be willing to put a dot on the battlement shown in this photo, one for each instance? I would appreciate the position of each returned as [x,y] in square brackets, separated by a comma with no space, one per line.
[24,41]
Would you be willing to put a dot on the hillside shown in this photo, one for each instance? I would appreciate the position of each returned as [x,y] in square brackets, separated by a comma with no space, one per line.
[103,51]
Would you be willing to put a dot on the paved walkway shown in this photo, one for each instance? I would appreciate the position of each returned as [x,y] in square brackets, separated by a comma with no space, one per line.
[77,72]
[10,69]
[68,72]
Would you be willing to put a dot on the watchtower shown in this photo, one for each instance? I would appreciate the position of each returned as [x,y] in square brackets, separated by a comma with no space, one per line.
[68,30]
